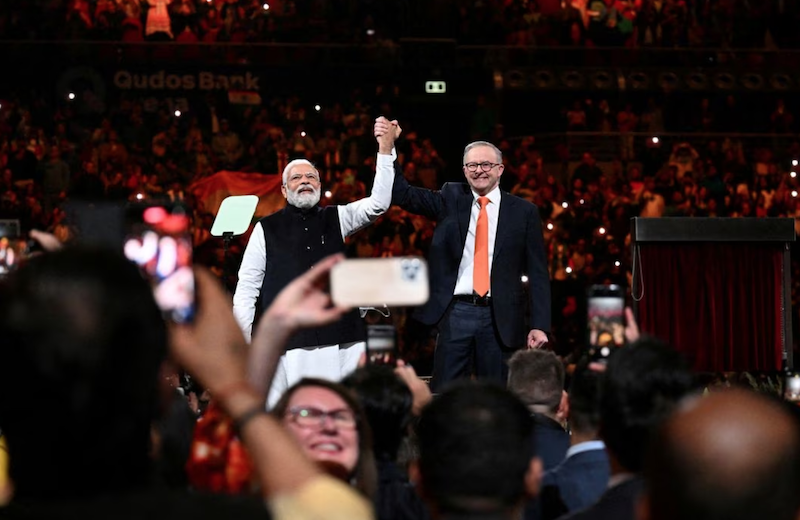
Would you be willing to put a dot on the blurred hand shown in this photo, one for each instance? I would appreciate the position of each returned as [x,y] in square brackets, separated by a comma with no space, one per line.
[536,339]
[48,241]
[420,391]
[304,302]
[632,333]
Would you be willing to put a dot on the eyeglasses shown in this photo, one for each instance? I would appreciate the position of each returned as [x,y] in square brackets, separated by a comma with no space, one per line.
[309,417]
[312,176]
[485,166]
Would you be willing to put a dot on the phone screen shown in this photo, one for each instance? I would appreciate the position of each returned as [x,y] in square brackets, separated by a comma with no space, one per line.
[158,240]
[13,251]
[605,318]
[791,388]
[382,345]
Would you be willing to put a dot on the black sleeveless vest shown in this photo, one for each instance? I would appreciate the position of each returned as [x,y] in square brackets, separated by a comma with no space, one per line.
[295,240]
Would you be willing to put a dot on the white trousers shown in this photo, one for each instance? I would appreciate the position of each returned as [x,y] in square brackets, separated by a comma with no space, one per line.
[331,362]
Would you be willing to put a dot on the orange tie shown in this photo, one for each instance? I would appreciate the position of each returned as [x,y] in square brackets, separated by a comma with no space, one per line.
[480,273]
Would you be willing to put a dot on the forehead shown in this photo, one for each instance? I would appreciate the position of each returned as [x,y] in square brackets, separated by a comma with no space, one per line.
[318,397]
[481,153]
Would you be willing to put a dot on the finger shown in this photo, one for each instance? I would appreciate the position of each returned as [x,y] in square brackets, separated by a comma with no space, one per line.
[321,268]
[362,360]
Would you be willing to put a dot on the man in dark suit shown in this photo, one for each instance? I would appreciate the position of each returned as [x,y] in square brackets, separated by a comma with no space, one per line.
[582,476]
[642,385]
[485,241]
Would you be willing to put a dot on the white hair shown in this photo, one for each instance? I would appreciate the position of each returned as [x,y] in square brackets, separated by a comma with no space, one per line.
[476,144]
[296,162]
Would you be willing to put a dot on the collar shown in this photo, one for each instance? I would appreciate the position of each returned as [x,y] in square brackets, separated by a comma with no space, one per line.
[294,210]
[544,421]
[585,446]
[494,195]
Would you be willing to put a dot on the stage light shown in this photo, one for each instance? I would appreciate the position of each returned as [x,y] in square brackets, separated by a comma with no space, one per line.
[794,162]
[792,174]
[177,113]
[550,226]
[617,263]
[370,32]
[302,134]
[564,205]
[654,140]
[328,194]
[602,231]
[582,201]
[794,193]
[524,278]
[71,96]
[317,108]
[266,7]
[139,196]
[568,270]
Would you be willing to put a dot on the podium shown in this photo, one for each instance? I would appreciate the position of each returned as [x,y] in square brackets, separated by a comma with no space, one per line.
[717,289]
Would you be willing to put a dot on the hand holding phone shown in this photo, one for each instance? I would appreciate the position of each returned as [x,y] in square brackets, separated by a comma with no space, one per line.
[605,320]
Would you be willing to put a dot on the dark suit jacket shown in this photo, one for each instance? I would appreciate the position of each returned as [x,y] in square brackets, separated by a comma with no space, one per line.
[577,483]
[551,441]
[618,503]
[518,250]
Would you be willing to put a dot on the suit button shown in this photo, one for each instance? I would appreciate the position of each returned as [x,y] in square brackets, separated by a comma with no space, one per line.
[308,248]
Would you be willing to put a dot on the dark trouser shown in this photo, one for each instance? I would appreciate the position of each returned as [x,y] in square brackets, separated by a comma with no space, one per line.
[467,334]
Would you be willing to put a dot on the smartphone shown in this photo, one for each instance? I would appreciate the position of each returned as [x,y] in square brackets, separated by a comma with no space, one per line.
[791,387]
[374,282]
[605,320]
[159,241]
[382,345]
[14,250]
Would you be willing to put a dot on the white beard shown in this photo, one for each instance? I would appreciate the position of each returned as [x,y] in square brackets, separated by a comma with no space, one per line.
[303,200]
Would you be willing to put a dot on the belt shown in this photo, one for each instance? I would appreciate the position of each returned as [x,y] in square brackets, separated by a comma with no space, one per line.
[474,299]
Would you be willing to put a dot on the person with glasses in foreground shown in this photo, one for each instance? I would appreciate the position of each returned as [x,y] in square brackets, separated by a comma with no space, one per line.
[487,246]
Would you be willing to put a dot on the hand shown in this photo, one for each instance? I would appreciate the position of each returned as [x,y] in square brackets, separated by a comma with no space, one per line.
[420,391]
[536,339]
[48,241]
[386,132]
[213,348]
[632,333]
[303,303]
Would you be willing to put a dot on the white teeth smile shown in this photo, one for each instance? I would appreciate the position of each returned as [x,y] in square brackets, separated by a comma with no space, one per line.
[327,447]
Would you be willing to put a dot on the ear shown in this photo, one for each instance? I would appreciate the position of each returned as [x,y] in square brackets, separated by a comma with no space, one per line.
[562,414]
[283,190]
[643,507]
[533,477]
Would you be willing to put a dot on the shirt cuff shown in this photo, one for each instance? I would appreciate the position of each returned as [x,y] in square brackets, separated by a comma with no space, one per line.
[387,160]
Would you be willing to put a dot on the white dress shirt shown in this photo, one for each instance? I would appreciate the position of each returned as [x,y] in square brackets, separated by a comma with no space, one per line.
[352,217]
[465,268]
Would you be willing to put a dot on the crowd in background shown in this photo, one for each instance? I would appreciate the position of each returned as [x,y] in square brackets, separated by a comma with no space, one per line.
[660,23]
[50,154]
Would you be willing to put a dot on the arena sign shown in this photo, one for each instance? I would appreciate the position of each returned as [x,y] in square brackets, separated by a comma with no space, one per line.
[163,80]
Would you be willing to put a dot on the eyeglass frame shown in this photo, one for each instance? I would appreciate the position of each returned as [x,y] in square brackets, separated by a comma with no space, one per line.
[473,166]
[298,177]
[293,414]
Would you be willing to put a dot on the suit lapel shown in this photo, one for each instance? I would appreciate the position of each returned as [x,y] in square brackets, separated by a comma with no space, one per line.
[463,206]
[503,216]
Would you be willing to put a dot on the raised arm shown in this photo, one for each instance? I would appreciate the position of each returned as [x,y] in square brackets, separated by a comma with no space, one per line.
[411,198]
[251,276]
[360,213]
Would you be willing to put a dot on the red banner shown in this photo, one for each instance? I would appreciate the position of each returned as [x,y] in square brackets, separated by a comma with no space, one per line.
[211,191]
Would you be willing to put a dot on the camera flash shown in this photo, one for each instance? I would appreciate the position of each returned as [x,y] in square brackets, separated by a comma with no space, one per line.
[602,231]
[654,140]
[568,270]
[317,108]
[71,96]
[564,205]
[177,113]
[266,7]
[550,226]
[139,196]
[617,263]
[302,134]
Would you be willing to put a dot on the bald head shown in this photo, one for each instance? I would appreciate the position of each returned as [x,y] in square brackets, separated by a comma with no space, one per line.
[733,455]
